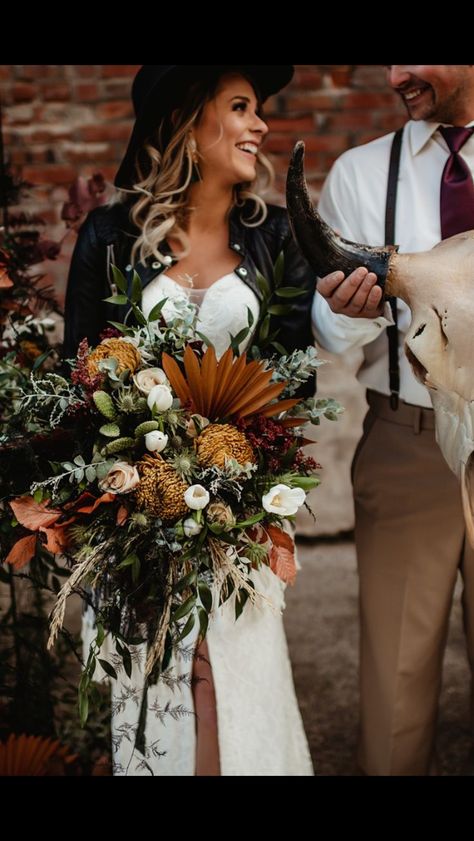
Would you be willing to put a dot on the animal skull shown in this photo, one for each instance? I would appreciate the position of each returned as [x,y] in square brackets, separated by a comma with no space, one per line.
[438,286]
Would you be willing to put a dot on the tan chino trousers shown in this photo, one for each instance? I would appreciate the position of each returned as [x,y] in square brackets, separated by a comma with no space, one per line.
[410,544]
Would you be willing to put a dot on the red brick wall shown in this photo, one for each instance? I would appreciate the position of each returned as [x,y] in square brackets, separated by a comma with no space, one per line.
[65,120]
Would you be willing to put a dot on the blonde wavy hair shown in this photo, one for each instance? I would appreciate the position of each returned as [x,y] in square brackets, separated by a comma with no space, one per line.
[165,171]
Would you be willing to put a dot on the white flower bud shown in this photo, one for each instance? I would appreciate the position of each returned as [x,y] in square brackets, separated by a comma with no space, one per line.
[160,398]
[191,528]
[156,441]
[196,497]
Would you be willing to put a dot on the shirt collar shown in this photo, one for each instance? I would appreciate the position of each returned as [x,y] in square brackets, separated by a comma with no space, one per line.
[420,132]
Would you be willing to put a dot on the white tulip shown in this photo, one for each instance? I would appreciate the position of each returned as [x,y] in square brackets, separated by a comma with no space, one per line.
[160,398]
[196,497]
[191,528]
[156,441]
[283,500]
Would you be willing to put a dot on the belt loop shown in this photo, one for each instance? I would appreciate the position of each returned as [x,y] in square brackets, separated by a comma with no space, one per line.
[417,420]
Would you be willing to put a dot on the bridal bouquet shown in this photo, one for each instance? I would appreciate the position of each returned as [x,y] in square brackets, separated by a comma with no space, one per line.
[179,473]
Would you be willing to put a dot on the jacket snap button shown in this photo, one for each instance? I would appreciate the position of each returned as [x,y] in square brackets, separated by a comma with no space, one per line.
[236,246]
[243,272]
[156,265]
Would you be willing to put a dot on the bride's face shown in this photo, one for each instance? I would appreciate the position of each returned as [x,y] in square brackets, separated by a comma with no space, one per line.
[230,133]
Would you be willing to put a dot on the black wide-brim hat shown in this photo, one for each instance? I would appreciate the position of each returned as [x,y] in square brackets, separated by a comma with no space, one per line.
[160,88]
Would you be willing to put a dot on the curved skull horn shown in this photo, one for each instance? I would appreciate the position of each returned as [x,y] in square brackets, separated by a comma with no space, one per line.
[323,248]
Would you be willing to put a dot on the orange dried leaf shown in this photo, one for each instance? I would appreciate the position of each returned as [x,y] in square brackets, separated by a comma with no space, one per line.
[34,515]
[88,509]
[122,515]
[5,281]
[22,551]
[282,554]
[56,539]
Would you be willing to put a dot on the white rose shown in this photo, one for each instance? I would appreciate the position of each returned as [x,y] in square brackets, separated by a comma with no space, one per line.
[160,398]
[196,497]
[191,528]
[146,379]
[283,500]
[156,441]
[121,478]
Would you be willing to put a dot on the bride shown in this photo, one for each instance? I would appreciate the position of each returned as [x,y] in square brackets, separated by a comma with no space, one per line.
[190,221]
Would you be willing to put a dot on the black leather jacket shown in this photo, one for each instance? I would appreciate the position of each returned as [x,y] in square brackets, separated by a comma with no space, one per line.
[86,313]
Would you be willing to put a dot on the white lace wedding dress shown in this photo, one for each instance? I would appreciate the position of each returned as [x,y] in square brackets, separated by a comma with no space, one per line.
[260,730]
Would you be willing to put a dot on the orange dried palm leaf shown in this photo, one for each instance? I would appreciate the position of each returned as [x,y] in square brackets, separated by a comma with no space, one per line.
[276,408]
[223,380]
[176,378]
[236,383]
[290,422]
[208,379]
[251,390]
[193,377]
[29,755]
[269,393]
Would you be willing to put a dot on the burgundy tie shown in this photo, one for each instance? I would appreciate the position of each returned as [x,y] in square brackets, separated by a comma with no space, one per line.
[457,186]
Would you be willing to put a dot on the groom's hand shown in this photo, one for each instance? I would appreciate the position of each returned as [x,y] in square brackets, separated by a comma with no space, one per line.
[355,295]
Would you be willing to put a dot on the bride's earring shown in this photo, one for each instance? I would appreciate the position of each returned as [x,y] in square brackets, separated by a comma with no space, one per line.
[195,175]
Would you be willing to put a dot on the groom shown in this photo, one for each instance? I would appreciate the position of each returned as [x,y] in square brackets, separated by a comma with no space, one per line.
[409,524]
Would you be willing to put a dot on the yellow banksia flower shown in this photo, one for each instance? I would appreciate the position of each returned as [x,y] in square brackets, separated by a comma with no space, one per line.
[125,353]
[219,441]
[161,491]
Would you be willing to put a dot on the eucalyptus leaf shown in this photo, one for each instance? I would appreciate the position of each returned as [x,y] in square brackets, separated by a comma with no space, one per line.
[119,300]
[264,328]
[203,622]
[90,473]
[188,627]
[184,608]
[240,600]
[100,635]
[205,595]
[155,313]
[136,294]
[279,269]
[127,662]
[141,320]
[290,292]
[279,309]
[83,708]
[186,581]
[108,669]
[119,279]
